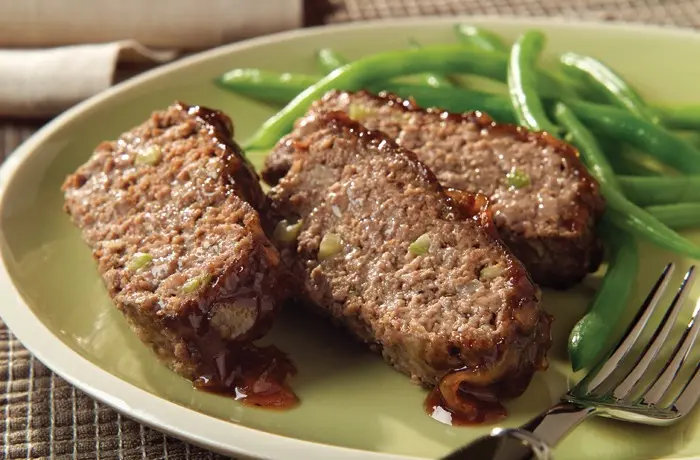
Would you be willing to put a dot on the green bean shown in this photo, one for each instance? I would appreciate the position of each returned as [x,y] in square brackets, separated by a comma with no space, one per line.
[264,85]
[494,105]
[381,67]
[282,88]
[620,210]
[649,191]
[679,117]
[605,80]
[522,80]
[549,82]
[433,80]
[622,160]
[646,136]
[674,117]
[631,162]
[638,221]
[480,38]
[329,60]
[627,160]
[487,40]
[678,216]
[588,338]
[593,156]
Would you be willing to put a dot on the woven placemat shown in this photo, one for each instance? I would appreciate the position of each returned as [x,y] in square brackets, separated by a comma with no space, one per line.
[45,417]
[679,13]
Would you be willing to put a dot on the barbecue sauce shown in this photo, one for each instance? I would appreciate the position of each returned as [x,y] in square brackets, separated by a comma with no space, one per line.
[475,410]
[255,376]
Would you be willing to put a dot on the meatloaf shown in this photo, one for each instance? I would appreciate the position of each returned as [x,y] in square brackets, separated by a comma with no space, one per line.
[544,202]
[169,211]
[413,270]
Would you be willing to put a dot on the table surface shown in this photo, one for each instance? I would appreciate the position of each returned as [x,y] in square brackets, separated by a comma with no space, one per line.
[45,417]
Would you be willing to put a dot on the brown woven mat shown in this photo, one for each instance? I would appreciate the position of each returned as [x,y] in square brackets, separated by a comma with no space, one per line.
[680,13]
[45,417]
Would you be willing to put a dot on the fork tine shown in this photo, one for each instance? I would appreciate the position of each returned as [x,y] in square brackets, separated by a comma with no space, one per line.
[690,394]
[632,333]
[680,354]
[660,335]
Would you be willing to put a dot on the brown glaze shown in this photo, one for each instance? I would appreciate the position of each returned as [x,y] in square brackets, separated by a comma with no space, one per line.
[240,174]
[475,206]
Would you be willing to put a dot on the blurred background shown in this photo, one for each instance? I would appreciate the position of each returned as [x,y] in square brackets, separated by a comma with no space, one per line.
[54,54]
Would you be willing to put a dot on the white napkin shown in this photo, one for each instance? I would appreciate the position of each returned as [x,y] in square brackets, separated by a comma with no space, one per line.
[54,53]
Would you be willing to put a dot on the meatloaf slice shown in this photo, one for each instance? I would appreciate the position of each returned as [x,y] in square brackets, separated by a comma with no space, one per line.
[544,202]
[169,211]
[414,271]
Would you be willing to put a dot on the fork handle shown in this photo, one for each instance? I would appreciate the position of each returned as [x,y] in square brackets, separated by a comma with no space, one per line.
[532,441]
[556,422]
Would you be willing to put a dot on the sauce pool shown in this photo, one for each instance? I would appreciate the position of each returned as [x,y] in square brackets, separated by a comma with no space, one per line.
[255,376]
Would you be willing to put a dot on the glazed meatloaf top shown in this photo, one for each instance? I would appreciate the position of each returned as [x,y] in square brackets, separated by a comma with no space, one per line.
[169,211]
[402,263]
[539,192]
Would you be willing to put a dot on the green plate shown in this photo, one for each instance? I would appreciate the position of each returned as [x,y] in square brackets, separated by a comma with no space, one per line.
[354,406]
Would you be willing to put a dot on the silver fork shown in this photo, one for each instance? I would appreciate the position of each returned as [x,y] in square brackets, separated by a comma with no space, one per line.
[603,392]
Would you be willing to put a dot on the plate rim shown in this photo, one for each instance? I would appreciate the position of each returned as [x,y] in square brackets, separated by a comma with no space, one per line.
[150,409]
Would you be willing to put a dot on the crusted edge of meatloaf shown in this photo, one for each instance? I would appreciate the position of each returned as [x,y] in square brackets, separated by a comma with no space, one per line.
[580,242]
[189,339]
[528,322]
